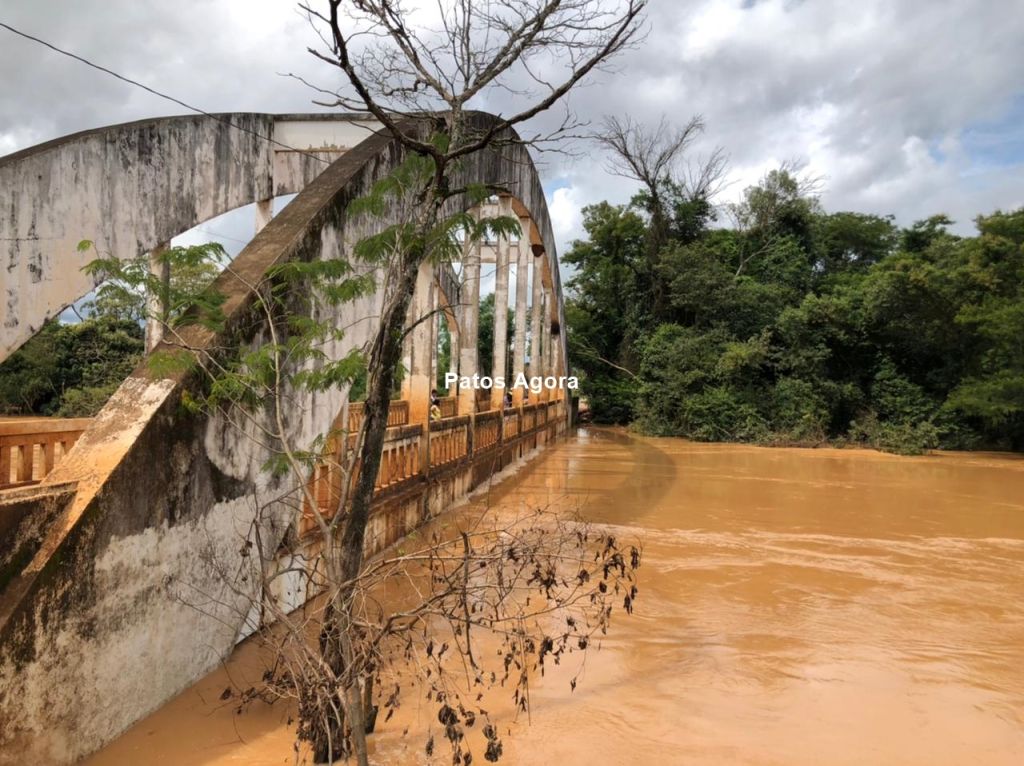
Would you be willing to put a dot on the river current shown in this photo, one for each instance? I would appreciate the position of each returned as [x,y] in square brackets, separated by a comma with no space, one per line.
[796,607]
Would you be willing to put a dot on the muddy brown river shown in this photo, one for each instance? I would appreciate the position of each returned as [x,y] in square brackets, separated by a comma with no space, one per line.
[796,607]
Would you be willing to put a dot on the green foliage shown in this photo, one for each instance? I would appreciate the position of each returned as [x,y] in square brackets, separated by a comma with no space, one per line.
[485,336]
[608,298]
[70,370]
[800,326]
[125,285]
[698,384]
[444,354]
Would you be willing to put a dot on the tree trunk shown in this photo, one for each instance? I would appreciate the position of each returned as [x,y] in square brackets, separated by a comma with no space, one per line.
[328,733]
[385,356]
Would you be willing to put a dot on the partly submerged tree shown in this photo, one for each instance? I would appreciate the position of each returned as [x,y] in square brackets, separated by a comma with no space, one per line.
[512,580]
[420,86]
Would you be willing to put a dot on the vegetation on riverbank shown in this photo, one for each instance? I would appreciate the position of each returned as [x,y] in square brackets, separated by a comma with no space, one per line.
[799,326]
[70,370]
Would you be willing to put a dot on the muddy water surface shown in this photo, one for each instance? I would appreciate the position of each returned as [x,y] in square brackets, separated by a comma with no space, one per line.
[797,607]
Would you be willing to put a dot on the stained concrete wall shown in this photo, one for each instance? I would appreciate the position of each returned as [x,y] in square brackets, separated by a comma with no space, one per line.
[131,187]
[102,625]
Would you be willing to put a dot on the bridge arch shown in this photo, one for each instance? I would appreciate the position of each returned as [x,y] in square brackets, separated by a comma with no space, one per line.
[88,606]
[130,188]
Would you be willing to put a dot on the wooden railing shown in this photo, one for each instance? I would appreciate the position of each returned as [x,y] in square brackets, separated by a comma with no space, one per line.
[400,459]
[529,421]
[29,449]
[398,414]
[449,440]
[487,430]
[449,406]
[483,400]
[449,443]
[510,421]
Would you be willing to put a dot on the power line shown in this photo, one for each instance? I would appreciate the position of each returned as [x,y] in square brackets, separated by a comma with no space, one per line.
[157,93]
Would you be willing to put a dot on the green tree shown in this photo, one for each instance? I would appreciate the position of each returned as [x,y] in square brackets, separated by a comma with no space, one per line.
[70,370]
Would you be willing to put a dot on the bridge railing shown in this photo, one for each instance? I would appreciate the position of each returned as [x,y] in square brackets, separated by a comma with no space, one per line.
[510,424]
[29,449]
[449,440]
[449,406]
[398,414]
[529,420]
[401,460]
[486,430]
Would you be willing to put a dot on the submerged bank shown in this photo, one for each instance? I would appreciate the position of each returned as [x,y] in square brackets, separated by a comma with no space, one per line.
[797,606]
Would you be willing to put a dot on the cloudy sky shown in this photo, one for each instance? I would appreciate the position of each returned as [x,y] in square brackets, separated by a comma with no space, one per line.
[910,107]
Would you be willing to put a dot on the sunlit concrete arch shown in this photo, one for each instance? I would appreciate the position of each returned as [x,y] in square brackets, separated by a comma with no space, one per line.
[131,188]
[151,492]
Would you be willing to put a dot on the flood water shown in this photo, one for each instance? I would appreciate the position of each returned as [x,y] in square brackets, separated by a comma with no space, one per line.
[796,607]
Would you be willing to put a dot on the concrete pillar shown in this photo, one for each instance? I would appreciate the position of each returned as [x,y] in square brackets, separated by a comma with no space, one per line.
[155,309]
[469,364]
[544,329]
[522,285]
[536,368]
[264,212]
[557,363]
[423,346]
[500,321]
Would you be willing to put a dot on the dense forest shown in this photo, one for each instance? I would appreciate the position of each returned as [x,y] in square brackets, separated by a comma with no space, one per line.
[793,325]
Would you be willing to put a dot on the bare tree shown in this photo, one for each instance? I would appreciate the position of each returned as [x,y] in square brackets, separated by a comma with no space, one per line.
[329,657]
[483,608]
[420,85]
[656,158]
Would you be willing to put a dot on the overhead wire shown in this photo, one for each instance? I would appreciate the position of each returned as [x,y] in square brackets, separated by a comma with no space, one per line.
[153,91]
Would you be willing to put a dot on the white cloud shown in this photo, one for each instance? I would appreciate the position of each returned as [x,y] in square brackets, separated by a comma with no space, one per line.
[566,212]
[877,96]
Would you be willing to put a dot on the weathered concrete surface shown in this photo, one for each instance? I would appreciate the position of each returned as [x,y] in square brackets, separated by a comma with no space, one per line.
[25,517]
[131,187]
[123,604]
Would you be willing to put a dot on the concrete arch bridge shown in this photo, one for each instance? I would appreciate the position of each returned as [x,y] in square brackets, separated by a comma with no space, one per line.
[98,517]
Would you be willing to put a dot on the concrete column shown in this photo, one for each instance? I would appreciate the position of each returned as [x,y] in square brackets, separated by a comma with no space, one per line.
[500,321]
[406,367]
[423,346]
[155,309]
[264,212]
[519,350]
[557,363]
[536,367]
[469,364]
[544,330]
